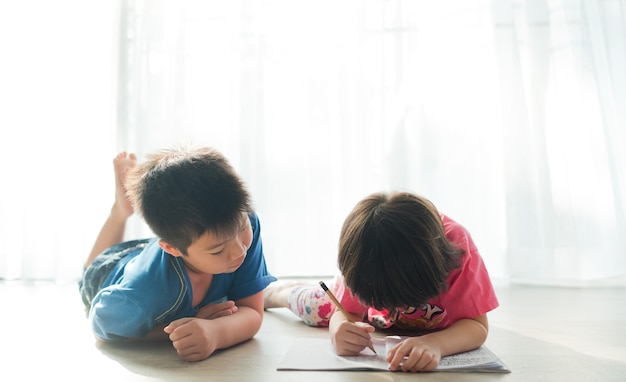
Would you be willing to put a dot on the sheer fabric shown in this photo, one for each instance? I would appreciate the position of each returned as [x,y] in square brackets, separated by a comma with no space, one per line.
[57,118]
[506,114]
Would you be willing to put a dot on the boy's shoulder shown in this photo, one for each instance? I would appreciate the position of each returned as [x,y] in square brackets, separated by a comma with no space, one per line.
[152,264]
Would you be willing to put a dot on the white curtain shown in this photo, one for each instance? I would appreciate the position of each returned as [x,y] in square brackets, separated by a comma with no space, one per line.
[508,115]
[57,118]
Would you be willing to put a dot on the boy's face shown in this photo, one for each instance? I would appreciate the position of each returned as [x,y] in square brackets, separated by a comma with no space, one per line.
[215,255]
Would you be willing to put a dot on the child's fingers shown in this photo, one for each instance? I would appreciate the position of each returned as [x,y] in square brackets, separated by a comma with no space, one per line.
[365,326]
[176,324]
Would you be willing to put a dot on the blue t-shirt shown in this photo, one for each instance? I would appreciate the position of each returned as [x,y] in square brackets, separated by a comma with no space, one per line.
[151,286]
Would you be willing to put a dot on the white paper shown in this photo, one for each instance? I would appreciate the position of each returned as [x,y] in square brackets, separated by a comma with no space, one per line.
[318,354]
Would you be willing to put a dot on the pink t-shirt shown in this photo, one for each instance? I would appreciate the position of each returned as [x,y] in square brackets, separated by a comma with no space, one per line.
[469,294]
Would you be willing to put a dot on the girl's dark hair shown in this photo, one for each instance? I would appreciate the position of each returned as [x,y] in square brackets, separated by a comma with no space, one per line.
[183,193]
[393,251]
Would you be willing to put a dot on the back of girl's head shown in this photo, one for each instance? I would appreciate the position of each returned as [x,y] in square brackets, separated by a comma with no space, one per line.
[393,251]
[183,193]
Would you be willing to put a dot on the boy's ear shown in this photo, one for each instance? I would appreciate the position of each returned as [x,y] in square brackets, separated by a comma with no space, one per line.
[169,248]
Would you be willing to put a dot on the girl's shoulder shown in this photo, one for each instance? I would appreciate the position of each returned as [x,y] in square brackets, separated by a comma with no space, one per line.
[457,233]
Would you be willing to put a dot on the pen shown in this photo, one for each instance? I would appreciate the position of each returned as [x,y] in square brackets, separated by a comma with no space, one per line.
[338,305]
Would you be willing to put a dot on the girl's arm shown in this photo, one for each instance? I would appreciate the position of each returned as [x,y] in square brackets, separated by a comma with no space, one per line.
[424,352]
[349,338]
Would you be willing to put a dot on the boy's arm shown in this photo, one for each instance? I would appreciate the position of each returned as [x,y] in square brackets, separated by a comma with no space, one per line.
[196,338]
[424,352]
[208,312]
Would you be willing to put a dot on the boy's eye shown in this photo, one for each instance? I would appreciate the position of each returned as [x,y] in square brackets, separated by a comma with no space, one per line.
[217,253]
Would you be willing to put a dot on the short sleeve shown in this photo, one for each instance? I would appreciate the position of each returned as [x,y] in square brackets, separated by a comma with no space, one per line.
[348,300]
[470,292]
[113,316]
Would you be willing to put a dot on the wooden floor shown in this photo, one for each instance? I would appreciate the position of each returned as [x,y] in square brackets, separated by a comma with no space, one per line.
[541,333]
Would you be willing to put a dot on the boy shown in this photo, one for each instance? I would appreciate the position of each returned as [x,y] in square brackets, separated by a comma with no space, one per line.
[200,282]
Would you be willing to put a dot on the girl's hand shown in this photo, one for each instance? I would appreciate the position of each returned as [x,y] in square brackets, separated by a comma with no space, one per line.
[412,355]
[351,338]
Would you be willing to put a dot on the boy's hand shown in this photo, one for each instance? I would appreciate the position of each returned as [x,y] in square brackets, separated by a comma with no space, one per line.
[213,311]
[351,338]
[192,338]
[413,354]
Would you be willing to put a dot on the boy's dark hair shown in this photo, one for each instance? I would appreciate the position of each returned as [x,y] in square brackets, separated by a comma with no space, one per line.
[393,251]
[183,193]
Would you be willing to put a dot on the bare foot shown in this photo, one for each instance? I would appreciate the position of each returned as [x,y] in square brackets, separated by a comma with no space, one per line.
[121,164]
[112,232]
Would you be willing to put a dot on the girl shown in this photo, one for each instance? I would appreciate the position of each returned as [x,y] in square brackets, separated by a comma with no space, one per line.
[402,265]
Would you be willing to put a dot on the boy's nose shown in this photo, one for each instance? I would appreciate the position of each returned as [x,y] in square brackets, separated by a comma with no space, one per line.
[239,249]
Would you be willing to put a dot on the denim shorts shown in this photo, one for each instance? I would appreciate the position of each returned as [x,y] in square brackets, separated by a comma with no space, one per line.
[95,274]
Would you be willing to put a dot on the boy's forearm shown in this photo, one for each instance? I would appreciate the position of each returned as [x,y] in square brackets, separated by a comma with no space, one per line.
[463,335]
[230,330]
[239,327]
